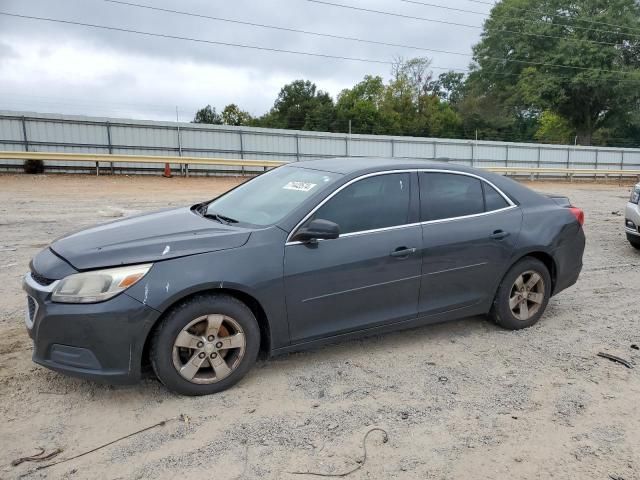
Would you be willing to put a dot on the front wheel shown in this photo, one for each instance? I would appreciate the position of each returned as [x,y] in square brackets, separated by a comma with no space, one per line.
[205,345]
[522,295]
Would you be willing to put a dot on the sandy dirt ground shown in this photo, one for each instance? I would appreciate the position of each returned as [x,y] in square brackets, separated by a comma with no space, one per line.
[458,400]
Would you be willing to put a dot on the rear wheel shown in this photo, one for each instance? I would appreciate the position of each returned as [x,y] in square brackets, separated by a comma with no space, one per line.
[522,295]
[205,345]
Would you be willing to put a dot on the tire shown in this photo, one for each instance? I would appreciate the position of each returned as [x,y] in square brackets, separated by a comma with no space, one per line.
[522,316]
[203,331]
[635,242]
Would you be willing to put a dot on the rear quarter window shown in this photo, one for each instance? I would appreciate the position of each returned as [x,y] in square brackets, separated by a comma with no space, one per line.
[492,199]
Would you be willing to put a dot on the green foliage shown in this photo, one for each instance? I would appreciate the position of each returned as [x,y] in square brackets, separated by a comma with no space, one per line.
[208,115]
[449,87]
[523,40]
[552,128]
[232,115]
[363,105]
[300,105]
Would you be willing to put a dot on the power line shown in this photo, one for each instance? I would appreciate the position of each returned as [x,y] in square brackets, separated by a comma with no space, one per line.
[455,24]
[214,42]
[256,47]
[484,14]
[519,9]
[286,29]
[348,38]
[198,40]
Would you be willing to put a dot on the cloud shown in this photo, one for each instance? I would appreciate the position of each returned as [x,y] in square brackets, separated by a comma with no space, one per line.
[67,68]
[7,52]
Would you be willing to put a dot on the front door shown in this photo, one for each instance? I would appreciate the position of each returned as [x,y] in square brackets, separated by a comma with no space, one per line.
[367,277]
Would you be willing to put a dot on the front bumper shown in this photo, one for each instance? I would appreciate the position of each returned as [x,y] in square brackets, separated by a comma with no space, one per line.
[100,341]
[632,219]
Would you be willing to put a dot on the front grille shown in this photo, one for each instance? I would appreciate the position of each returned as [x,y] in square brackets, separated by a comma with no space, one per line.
[44,281]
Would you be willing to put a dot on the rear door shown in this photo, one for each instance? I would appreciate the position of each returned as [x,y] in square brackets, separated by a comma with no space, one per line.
[469,231]
[367,277]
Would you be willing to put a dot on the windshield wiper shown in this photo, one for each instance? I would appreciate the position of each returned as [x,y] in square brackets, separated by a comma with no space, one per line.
[219,218]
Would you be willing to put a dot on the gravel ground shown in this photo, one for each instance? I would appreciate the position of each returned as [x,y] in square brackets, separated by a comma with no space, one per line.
[458,400]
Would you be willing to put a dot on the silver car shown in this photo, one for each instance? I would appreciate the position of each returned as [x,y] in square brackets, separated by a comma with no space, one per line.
[632,218]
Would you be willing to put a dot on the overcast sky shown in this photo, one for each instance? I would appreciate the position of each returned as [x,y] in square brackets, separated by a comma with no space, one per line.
[50,67]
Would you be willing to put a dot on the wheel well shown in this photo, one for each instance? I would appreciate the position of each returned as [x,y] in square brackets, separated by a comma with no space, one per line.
[248,300]
[548,261]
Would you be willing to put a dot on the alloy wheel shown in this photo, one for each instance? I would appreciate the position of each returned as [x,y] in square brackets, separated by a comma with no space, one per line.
[527,295]
[209,348]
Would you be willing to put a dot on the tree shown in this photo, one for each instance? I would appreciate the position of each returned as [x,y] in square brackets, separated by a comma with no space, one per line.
[300,105]
[362,105]
[449,86]
[488,116]
[232,115]
[548,55]
[412,76]
[412,104]
[405,106]
[208,115]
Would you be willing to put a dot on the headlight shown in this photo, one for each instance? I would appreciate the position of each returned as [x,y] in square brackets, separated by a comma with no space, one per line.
[99,285]
[635,194]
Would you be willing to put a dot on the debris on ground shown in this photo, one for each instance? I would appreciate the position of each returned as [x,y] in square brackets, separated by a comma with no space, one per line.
[38,457]
[360,462]
[99,447]
[613,358]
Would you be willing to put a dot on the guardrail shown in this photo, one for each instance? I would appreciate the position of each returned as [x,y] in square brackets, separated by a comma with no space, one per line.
[114,158]
[565,172]
[161,159]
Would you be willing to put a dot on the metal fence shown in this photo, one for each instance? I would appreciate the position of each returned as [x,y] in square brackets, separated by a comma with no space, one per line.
[23,131]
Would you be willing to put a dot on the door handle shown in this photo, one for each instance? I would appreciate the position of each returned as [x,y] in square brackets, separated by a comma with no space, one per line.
[499,235]
[402,252]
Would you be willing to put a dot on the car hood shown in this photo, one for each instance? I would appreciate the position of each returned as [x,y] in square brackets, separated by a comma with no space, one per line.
[148,238]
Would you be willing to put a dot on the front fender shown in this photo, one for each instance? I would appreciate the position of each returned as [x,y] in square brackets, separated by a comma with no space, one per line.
[255,269]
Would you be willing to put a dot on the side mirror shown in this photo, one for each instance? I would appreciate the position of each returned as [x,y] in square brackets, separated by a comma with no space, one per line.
[317,229]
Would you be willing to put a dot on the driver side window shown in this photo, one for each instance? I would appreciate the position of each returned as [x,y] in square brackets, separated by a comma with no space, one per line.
[376,202]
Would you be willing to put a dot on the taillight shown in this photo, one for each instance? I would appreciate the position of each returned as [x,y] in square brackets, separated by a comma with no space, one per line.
[578,213]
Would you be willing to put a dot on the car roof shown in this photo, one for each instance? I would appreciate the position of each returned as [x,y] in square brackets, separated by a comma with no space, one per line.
[360,165]
[356,166]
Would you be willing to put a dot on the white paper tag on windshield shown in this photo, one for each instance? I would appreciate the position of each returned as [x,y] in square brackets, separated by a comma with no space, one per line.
[299,186]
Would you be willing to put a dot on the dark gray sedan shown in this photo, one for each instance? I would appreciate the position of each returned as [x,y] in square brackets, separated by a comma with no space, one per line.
[305,254]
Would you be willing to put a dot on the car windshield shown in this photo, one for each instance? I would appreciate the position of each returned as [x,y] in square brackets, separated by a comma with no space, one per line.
[269,197]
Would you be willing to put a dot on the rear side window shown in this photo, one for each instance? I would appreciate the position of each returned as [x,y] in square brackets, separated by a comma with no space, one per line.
[375,202]
[493,200]
[447,195]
